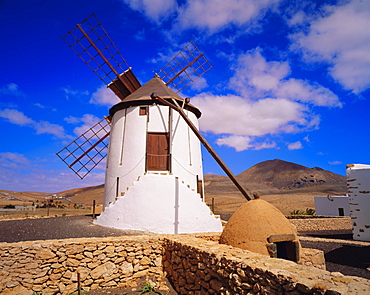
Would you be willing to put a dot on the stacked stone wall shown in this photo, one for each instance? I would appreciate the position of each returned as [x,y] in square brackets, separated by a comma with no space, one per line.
[194,266]
[321,223]
[50,266]
[202,266]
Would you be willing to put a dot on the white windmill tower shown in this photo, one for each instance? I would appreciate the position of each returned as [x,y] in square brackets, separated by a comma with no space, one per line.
[154,178]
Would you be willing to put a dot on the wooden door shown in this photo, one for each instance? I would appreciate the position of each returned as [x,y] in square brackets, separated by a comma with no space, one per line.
[157,152]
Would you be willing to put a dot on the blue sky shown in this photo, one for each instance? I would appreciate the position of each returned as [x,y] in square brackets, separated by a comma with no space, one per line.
[290,80]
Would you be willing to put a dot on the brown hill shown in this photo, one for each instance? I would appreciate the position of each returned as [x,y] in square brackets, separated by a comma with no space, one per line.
[287,186]
[85,195]
[286,175]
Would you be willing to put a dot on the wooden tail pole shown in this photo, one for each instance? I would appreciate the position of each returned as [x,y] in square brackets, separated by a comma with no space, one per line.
[93,213]
[205,143]
[78,283]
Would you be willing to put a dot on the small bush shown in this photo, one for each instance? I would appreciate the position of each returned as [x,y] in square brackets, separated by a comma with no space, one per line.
[309,211]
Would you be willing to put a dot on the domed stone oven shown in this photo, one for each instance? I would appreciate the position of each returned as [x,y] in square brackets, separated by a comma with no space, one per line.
[259,227]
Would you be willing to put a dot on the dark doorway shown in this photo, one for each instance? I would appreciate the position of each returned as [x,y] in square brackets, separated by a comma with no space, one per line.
[157,152]
[288,250]
[341,211]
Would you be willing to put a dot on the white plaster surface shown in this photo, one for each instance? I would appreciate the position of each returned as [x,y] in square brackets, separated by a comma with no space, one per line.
[160,204]
[126,155]
[185,151]
[330,205]
[358,190]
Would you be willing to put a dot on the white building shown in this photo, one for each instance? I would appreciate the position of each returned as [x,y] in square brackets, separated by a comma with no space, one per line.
[332,206]
[154,177]
[358,190]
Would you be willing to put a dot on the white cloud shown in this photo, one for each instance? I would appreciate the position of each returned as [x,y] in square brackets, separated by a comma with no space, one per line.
[140,35]
[13,160]
[70,92]
[341,38]
[335,163]
[238,142]
[307,92]
[265,145]
[216,15]
[241,143]
[295,146]
[256,77]
[155,10]
[166,55]
[104,96]
[39,105]
[241,117]
[42,127]
[11,89]
[199,84]
[206,15]
[16,117]
[88,121]
[72,120]
[268,102]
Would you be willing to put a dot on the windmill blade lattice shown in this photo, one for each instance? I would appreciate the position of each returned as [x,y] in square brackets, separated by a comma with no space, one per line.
[93,45]
[88,150]
[187,66]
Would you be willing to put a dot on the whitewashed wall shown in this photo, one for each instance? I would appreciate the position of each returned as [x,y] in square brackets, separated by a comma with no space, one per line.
[160,204]
[330,205]
[126,155]
[186,152]
[358,190]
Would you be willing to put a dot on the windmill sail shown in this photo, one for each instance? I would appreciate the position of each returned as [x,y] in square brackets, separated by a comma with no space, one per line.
[88,150]
[187,66]
[90,41]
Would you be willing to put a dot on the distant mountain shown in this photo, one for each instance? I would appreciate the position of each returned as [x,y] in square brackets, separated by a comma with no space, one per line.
[286,175]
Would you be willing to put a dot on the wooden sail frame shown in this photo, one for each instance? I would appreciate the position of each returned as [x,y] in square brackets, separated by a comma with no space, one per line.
[88,150]
[91,42]
[187,66]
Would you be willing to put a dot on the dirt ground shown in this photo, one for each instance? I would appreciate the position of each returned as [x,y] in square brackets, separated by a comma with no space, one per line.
[286,203]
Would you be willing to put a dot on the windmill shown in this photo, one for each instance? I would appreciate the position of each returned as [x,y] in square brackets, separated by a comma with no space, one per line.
[154,178]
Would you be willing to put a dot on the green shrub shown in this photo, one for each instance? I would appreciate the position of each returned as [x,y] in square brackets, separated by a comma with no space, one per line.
[309,211]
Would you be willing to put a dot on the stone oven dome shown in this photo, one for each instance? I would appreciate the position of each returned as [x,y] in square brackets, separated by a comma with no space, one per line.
[256,225]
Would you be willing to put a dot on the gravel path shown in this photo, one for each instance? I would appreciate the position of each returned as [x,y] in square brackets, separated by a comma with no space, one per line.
[56,228]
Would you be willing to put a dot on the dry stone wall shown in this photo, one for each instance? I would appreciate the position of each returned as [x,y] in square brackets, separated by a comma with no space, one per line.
[198,266]
[46,266]
[194,265]
[321,223]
